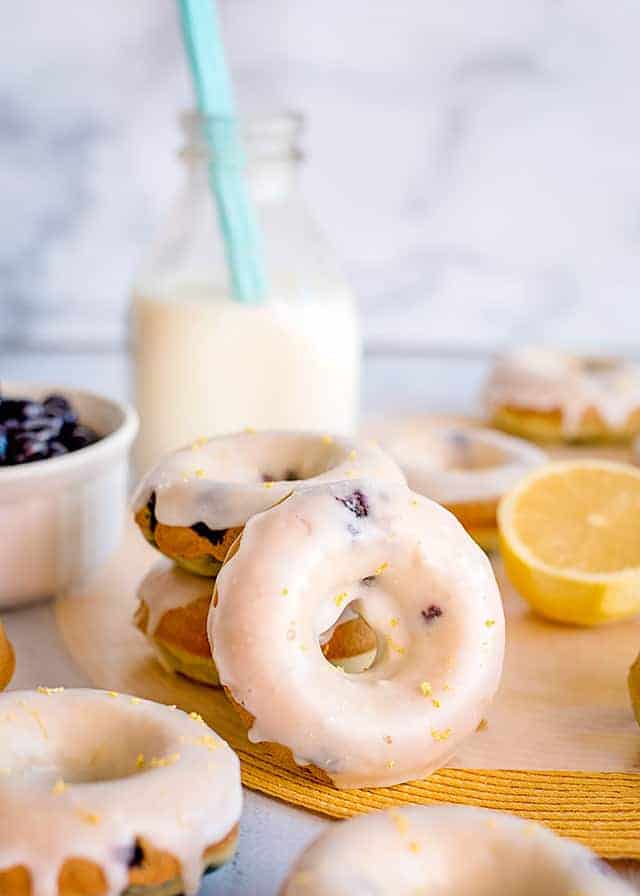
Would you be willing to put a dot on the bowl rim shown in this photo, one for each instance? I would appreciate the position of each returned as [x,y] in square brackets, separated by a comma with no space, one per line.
[120,438]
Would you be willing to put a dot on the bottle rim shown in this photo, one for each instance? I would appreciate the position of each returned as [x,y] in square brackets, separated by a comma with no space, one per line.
[265,136]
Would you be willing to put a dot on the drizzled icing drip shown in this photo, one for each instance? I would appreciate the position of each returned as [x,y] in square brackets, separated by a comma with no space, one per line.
[139,770]
[167,587]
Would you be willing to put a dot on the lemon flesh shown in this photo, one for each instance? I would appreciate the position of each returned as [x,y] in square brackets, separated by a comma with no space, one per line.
[570,540]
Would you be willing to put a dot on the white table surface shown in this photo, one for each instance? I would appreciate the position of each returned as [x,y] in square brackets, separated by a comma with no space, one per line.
[272,833]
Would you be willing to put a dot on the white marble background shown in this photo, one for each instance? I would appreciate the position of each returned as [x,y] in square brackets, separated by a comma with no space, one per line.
[476,162]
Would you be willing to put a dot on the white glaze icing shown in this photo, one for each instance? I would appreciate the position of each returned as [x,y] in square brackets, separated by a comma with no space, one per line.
[546,380]
[298,566]
[457,464]
[447,851]
[83,773]
[220,481]
[167,587]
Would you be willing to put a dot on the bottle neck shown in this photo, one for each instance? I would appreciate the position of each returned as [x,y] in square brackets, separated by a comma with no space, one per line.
[270,148]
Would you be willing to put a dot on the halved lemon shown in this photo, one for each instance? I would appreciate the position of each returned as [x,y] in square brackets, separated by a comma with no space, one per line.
[570,540]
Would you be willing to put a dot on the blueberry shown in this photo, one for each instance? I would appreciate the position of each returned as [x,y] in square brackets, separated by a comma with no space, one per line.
[431,613]
[57,403]
[29,450]
[57,448]
[356,502]
[80,437]
[19,409]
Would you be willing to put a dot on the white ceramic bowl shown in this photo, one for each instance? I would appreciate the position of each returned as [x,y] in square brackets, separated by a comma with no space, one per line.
[61,518]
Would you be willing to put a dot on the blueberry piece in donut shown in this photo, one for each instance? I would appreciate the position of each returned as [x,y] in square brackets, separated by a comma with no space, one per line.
[356,502]
[432,612]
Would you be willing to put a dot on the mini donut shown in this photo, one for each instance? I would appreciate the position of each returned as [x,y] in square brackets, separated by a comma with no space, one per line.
[465,468]
[7,659]
[552,396]
[104,794]
[447,851]
[409,569]
[173,611]
[194,503]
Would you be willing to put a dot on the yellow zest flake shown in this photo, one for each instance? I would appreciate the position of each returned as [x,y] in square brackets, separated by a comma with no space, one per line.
[440,735]
[197,717]
[140,760]
[352,454]
[446,687]
[413,502]
[35,715]
[425,688]
[136,700]
[339,599]
[199,473]
[249,430]
[203,740]
[59,787]
[393,621]
[199,443]
[164,761]
[327,440]
[268,484]
[400,821]
[381,568]
[390,763]
[41,689]
[284,592]
[414,847]
[436,703]
[490,622]
[112,694]
[398,648]
[88,817]
[303,648]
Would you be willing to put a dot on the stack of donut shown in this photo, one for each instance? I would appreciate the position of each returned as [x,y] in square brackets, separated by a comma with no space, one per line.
[317,554]
[194,504]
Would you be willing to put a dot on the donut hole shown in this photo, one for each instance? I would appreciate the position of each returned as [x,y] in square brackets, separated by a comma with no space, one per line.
[450,450]
[112,750]
[299,458]
[351,644]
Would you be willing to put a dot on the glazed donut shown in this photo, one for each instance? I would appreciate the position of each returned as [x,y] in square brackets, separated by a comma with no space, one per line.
[447,851]
[551,396]
[193,504]
[103,794]
[172,614]
[410,570]
[465,468]
[7,659]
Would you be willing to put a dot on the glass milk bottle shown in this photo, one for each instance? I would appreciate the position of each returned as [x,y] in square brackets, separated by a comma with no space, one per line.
[205,363]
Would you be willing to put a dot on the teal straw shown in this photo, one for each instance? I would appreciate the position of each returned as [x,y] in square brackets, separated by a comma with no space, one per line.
[214,96]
